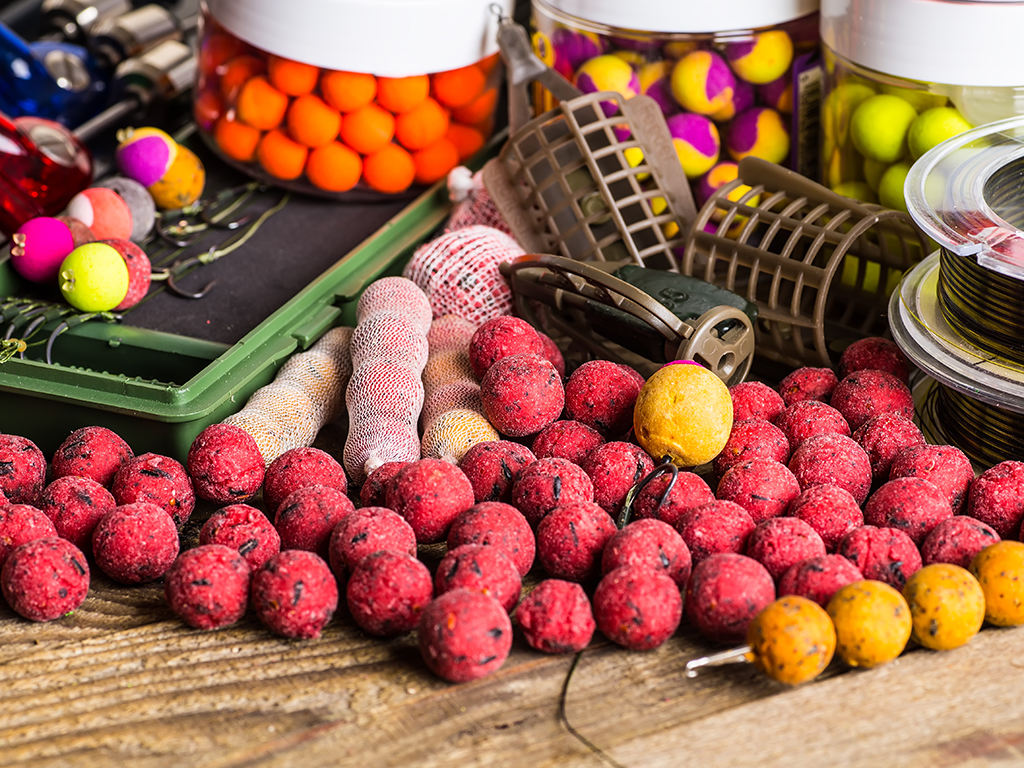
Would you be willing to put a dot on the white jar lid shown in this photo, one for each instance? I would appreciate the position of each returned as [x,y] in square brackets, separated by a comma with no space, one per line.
[954,42]
[391,38]
[683,16]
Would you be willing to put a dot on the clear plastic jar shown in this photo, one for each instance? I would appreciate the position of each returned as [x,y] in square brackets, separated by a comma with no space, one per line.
[733,79]
[347,98]
[905,75]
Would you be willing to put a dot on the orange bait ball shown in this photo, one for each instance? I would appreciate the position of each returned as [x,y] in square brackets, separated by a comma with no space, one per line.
[368,129]
[435,161]
[236,139]
[313,122]
[281,157]
[261,105]
[468,141]
[479,109]
[348,91]
[390,169]
[400,94]
[238,72]
[458,87]
[422,126]
[334,167]
[292,77]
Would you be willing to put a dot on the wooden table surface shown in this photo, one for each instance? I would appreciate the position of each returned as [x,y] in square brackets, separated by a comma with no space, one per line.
[122,681]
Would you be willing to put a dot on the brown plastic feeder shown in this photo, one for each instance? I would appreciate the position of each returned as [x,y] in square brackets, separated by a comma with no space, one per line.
[819,266]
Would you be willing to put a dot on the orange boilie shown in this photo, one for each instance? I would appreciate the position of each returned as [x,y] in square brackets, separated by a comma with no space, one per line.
[479,109]
[390,169]
[313,122]
[281,157]
[236,139]
[334,167]
[292,77]
[400,94]
[434,162]
[238,72]
[348,91]
[261,105]
[458,87]
[467,140]
[421,126]
[368,129]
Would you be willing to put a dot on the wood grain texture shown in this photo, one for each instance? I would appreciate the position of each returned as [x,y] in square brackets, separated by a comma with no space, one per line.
[122,680]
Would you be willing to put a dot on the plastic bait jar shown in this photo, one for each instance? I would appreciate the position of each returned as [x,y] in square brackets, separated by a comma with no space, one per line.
[903,75]
[733,79]
[355,99]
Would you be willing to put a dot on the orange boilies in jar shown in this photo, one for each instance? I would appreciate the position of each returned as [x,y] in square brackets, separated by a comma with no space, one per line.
[348,91]
[421,126]
[390,169]
[334,167]
[281,157]
[312,121]
[292,77]
[261,105]
[400,94]
[368,129]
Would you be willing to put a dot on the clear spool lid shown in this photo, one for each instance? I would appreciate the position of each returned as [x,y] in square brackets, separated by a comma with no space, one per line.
[967,194]
[389,38]
[682,16]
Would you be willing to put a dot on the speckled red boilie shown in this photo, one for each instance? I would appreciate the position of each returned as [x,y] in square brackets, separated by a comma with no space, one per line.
[556,617]
[725,592]
[158,480]
[717,527]
[752,439]
[996,497]
[763,487]
[807,418]
[208,586]
[493,466]
[387,591]
[957,540]
[246,530]
[884,436]
[830,510]
[868,393]
[480,568]
[297,468]
[365,531]
[225,464]
[44,579]
[501,337]
[651,544]
[21,523]
[689,491]
[945,466]
[307,516]
[637,607]
[818,578]
[874,353]
[546,483]
[464,635]
[295,594]
[602,394]
[430,494]
[566,439]
[374,490]
[75,505]
[883,554]
[522,394]
[832,460]
[497,525]
[571,538]
[781,542]
[808,384]
[553,353]
[22,469]
[93,452]
[755,400]
[135,543]
[912,504]
[614,468]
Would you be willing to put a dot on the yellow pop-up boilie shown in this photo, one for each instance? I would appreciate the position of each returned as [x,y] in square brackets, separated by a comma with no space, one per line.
[684,412]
